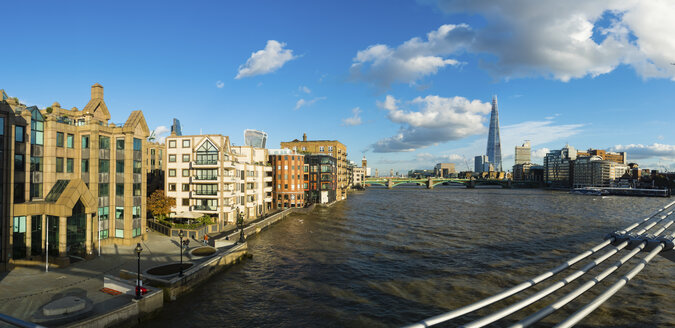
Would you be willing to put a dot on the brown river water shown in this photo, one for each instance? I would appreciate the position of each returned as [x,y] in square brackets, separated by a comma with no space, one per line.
[386,258]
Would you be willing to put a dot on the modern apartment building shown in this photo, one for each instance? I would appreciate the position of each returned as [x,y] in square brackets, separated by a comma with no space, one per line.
[558,166]
[289,182]
[593,171]
[325,147]
[322,179]
[69,176]
[523,153]
[206,175]
[617,157]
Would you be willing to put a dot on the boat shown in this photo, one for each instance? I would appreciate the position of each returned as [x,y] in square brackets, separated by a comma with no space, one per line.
[589,191]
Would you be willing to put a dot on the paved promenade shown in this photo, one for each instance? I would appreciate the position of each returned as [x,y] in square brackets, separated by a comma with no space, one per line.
[24,290]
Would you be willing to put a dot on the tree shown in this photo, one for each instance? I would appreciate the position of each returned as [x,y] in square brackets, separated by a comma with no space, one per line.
[159,204]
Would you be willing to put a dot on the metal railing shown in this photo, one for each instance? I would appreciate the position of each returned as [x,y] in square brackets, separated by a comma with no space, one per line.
[18,322]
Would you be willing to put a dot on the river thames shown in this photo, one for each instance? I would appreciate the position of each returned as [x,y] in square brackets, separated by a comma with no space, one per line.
[386,258]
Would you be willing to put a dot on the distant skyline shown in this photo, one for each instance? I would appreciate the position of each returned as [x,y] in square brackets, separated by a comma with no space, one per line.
[407,84]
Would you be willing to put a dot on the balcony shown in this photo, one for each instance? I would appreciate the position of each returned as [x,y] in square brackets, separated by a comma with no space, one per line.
[209,194]
[205,178]
[229,179]
[267,179]
[205,163]
[205,208]
[267,189]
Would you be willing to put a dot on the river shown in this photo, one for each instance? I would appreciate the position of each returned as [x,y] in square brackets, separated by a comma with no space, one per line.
[385,258]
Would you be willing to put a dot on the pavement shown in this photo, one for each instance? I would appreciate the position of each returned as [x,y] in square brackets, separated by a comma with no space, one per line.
[24,290]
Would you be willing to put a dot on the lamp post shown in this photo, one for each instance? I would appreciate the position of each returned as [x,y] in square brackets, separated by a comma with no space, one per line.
[180,235]
[240,224]
[139,249]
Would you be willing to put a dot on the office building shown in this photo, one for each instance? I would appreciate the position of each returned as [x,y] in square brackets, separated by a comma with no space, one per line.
[255,138]
[482,164]
[325,147]
[72,177]
[444,170]
[494,147]
[322,179]
[617,157]
[593,171]
[289,182]
[176,129]
[558,166]
[522,154]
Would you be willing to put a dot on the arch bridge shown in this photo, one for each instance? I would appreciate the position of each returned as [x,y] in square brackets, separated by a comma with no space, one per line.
[430,183]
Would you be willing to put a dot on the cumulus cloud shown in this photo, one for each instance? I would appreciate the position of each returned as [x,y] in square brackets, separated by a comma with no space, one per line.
[220,84]
[538,155]
[355,119]
[572,39]
[639,151]
[265,61]
[303,102]
[437,120]
[416,58]
[161,132]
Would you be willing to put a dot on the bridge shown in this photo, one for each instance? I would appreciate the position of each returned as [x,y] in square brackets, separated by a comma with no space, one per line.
[641,237]
[430,183]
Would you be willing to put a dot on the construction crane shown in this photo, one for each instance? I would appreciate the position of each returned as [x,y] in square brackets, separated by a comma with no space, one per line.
[466,163]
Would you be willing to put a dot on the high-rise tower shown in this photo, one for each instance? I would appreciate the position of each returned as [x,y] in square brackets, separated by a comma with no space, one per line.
[494,146]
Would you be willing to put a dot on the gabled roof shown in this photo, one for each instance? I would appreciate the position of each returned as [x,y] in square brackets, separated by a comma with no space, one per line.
[136,123]
[98,108]
[3,95]
[60,200]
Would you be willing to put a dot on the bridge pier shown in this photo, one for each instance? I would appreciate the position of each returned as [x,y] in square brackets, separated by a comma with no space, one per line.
[430,183]
[390,184]
[471,184]
[507,185]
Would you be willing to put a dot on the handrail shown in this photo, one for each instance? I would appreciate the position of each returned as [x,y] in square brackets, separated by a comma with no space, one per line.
[18,322]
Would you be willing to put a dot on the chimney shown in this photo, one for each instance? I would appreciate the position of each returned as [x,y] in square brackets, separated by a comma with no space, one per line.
[96,91]
[304,137]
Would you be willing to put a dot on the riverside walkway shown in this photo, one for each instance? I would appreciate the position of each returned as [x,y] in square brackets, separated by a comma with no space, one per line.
[646,236]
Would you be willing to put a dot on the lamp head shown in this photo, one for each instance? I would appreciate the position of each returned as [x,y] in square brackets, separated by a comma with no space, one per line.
[138,249]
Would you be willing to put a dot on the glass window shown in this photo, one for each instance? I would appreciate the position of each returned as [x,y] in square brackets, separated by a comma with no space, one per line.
[186,201]
[85,165]
[2,126]
[69,165]
[103,166]
[119,166]
[59,165]
[186,143]
[172,143]
[120,144]
[321,148]
[104,142]
[172,158]
[186,187]
[138,166]
[138,144]
[85,142]
[330,148]
[59,139]
[103,213]
[119,189]
[304,148]
[186,172]
[137,189]
[103,190]
[172,172]
[70,141]
[19,130]
[186,158]
[37,127]
[19,164]
[172,187]
[35,190]
[35,164]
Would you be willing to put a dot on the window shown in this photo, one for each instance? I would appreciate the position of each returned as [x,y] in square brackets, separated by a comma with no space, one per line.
[2,126]
[186,187]
[103,213]
[104,142]
[119,166]
[35,164]
[119,189]
[120,144]
[138,144]
[186,143]
[70,141]
[172,158]
[304,148]
[207,154]
[330,148]
[186,158]
[35,190]
[172,187]
[85,142]
[186,201]
[321,148]
[172,143]
[103,166]
[19,164]
[59,139]
[85,165]
[37,127]
[19,130]
[119,222]
[138,166]
[136,221]
[103,190]
[186,172]
[136,188]
[172,172]
[70,162]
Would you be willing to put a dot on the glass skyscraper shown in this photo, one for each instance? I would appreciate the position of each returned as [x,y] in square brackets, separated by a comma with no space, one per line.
[494,147]
[255,138]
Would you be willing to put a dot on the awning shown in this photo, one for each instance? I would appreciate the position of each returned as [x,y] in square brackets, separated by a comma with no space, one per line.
[186,215]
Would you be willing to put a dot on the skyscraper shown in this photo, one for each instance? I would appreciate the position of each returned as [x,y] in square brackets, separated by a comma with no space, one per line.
[494,147]
[175,128]
[255,138]
[523,153]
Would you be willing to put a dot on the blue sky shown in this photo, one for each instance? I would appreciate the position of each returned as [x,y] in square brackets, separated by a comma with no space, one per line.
[405,83]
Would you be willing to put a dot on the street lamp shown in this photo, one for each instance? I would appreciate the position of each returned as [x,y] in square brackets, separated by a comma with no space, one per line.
[139,249]
[240,224]
[180,235]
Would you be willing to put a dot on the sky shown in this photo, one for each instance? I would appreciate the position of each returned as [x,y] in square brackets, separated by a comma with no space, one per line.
[407,84]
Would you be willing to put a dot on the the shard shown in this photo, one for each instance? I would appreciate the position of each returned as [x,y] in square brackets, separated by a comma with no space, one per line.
[494,146]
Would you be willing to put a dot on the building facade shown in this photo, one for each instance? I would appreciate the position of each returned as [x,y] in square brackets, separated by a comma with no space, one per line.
[523,153]
[289,182]
[494,146]
[482,164]
[208,176]
[71,177]
[558,166]
[322,179]
[617,157]
[593,171]
[326,147]
[444,170]
[255,138]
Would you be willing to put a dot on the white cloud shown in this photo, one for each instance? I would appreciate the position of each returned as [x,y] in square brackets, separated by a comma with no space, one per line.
[639,151]
[538,155]
[265,61]
[438,120]
[411,61]
[220,84]
[305,89]
[302,102]
[572,39]
[355,119]
[161,132]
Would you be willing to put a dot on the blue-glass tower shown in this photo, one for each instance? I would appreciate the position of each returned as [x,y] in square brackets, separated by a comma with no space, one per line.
[494,145]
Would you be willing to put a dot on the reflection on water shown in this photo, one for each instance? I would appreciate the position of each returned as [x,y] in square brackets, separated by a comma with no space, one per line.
[390,257]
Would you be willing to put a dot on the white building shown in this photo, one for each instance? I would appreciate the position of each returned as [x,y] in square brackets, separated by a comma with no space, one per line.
[206,175]
[523,153]
[359,176]
[593,171]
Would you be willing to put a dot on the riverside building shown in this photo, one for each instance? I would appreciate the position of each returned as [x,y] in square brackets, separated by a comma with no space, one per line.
[558,166]
[71,177]
[289,182]
[332,148]
[322,179]
[523,153]
[593,171]
[208,176]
